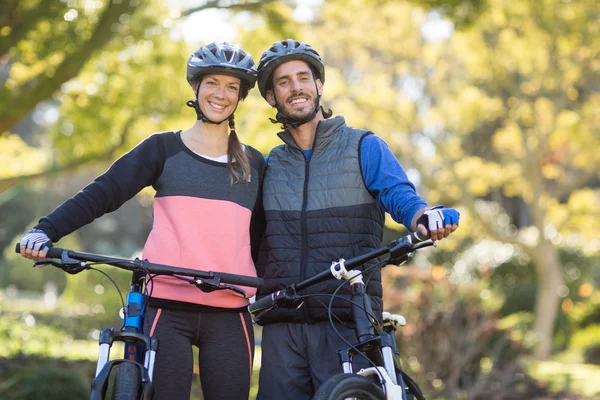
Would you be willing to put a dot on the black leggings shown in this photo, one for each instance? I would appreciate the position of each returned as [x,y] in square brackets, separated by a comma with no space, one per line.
[225,342]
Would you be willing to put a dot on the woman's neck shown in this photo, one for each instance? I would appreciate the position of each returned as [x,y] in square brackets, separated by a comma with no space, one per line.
[208,139]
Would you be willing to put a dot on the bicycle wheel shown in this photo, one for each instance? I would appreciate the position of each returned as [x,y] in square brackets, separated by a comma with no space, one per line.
[349,386]
[127,382]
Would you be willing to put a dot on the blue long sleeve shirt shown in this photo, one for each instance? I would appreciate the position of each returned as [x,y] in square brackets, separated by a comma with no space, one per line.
[388,183]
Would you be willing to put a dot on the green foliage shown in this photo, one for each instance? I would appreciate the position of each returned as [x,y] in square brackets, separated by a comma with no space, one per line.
[454,344]
[122,97]
[587,312]
[119,95]
[586,337]
[21,274]
[44,44]
[519,326]
[591,354]
[462,12]
[516,279]
[93,294]
[577,378]
[45,379]
[42,331]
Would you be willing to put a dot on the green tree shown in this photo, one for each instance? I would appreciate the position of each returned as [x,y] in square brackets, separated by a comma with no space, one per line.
[46,43]
[511,117]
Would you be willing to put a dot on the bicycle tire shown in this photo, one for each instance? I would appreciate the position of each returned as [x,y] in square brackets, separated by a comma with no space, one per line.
[349,386]
[127,382]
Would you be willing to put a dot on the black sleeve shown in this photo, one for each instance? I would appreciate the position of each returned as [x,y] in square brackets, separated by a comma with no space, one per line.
[257,221]
[132,172]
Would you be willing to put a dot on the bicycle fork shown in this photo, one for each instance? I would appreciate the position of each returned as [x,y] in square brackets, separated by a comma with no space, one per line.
[139,349]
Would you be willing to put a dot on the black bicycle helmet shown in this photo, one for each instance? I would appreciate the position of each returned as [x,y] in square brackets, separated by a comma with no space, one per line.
[283,51]
[222,58]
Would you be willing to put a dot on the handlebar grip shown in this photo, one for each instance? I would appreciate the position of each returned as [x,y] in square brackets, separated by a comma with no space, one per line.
[53,252]
[262,304]
[416,237]
[241,280]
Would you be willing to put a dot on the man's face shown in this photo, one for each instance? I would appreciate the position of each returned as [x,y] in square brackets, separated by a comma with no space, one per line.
[295,92]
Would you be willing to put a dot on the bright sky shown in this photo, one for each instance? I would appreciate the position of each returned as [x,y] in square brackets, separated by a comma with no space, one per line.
[214,24]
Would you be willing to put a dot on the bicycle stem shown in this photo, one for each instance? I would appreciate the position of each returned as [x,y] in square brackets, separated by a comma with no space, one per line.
[362,313]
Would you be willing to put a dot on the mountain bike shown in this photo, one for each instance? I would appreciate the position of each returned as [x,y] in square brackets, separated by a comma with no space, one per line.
[385,379]
[133,377]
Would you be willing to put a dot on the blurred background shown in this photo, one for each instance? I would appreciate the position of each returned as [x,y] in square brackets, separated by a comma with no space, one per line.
[490,106]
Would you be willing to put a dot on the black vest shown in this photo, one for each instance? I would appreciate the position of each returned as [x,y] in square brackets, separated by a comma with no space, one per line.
[317,211]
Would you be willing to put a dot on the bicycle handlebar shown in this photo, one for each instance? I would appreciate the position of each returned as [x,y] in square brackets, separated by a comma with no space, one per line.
[398,248]
[158,269]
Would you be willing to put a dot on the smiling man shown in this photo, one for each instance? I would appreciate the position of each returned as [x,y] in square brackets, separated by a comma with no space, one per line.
[325,193]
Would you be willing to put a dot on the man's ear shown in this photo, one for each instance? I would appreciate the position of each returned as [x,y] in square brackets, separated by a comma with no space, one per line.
[270,98]
[319,87]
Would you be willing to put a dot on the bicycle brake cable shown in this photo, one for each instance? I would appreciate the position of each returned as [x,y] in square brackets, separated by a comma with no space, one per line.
[147,293]
[111,279]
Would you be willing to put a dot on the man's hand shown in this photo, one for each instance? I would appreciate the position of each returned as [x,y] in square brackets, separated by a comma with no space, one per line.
[438,222]
[35,244]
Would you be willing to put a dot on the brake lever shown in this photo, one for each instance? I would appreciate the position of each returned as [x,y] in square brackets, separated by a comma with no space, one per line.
[401,252]
[235,289]
[290,299]
[210,285]
[69,265]
[257,317]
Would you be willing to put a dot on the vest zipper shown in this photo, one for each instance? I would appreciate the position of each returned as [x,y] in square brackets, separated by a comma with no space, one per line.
[304,227]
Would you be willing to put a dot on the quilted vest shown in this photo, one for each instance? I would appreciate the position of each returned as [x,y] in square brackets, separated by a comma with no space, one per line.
[318,210]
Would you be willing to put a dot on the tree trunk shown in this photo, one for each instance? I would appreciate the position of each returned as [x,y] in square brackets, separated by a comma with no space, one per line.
[549,281]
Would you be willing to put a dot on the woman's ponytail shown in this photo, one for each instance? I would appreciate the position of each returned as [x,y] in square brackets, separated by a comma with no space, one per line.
[238,163]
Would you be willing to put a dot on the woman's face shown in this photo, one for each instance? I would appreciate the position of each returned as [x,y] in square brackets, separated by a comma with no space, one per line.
[218,96]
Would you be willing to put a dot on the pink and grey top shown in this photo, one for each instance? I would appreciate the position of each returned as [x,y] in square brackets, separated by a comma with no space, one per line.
[201,220]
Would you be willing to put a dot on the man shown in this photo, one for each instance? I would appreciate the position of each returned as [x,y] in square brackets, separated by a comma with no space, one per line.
[325,192]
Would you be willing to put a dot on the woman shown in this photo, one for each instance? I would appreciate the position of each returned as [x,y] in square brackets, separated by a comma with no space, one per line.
[207,215]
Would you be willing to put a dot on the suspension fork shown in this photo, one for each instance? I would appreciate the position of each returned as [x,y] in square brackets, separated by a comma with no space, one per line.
[391,354]
[137,346]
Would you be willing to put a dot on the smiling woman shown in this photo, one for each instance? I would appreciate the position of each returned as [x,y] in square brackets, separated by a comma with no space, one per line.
[207,214]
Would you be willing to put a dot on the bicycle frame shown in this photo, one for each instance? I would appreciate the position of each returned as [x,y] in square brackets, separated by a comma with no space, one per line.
[380,345]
